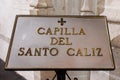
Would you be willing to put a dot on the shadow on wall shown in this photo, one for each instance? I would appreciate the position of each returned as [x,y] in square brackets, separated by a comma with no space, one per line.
[8,75]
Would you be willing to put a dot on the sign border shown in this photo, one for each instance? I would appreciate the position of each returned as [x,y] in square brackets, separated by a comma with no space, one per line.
[59,16]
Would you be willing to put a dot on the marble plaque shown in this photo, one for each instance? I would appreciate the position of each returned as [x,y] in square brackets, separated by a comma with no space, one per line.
[60,42]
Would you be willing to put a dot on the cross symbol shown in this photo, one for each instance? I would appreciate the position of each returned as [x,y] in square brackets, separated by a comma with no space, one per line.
[61,22]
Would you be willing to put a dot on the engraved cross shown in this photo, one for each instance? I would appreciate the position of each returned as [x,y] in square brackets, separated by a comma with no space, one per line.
[61,22]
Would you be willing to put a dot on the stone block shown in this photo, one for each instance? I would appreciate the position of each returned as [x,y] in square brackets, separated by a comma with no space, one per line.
[99,75]
[116,41]
[47,75]
[3,49]
[115,74]
[38,12]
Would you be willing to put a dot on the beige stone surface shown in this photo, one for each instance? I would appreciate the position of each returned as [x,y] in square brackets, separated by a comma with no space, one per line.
[114,29]
[47,75]
[38,12]
[98,75]
[115,75]
[3,49]
[83,75]
[80,75]
[37,75]
[116,41]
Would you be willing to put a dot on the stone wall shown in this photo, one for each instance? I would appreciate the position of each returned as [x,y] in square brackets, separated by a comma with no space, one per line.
[8,10]
[64,7]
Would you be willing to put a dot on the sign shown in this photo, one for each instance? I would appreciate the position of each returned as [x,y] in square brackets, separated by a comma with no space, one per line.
[60,42]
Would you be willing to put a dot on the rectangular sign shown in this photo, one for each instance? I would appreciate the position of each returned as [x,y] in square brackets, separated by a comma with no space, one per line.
[60,42]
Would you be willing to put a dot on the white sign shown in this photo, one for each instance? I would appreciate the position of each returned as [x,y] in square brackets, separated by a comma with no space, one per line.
[60,42]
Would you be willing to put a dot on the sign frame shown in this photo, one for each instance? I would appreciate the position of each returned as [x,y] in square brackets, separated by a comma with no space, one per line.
[59,16]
